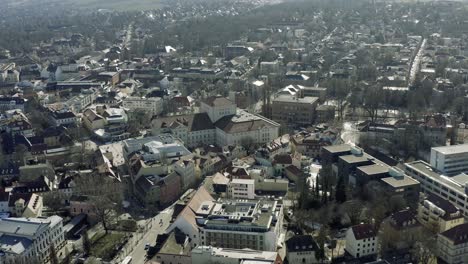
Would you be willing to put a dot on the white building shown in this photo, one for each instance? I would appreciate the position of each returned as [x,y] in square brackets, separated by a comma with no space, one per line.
[220,123]
[361,241]
[153,105]
[28,239]
[254,224]
[439,214]
[241,189]
[185,167]
[245,128]
[452,245]
[450,160]
[214,255]
[218,107]
[453,189]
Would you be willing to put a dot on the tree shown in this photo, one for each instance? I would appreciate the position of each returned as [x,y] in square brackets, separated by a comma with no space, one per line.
[353,209]
[321,239]
[86,243]
[53,200]
[372,101]
[340,192]
[53,258]
[104,196]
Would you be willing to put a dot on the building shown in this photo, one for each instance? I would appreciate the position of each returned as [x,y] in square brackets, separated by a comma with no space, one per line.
[309,144]
[106,123]
[63,117]
[361,241]
[294,111]
[30,239]
[439,214]
[452,245]
[11,103]
[452,189]
[241,189]
[403,230]
[401,185]
[194,130]
[173,247]
[301,249]
[215,255]
[254,224]
[219,122]
[245,129]
[217,107]
[184,217]
[153,105]
[450,160]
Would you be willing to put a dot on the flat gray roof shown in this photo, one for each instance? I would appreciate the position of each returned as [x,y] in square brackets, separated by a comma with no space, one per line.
[400,182]
[374,169]
[456,149]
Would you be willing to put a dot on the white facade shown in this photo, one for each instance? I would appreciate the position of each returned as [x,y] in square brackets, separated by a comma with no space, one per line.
[241,189]
[216,112]
[263,135]
[186,171]
[453,250]
[451,189]
[152,105]
[359,248]
[33,238]
[214,255]
[450,160]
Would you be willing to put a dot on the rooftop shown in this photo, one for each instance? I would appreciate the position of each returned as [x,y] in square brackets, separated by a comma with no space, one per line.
[450,150]
[456,183]
[293,99]
[398,182]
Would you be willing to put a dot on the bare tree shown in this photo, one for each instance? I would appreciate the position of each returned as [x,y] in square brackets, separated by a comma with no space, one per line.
[104,196]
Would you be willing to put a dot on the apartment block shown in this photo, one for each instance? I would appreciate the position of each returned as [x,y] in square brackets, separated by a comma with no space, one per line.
[254,224]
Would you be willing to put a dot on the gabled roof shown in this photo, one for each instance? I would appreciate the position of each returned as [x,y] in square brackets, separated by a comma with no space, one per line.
[458,235]
[363,231]
[301,243]
[215,101]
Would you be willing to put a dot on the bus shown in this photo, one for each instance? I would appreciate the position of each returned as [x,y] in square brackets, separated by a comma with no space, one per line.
[127,260]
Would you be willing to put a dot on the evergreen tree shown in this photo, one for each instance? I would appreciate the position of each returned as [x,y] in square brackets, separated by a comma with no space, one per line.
[340,193]
[86,243]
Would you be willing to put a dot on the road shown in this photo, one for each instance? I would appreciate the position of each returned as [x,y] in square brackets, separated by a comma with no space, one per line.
[135,247]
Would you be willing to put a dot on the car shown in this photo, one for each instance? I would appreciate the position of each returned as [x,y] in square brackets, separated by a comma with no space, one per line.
[147,246]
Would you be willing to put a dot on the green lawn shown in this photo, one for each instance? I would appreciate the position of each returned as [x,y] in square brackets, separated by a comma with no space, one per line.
[104,246]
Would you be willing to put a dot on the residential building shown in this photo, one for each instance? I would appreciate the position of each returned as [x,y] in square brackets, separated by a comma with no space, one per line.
[450,160]
[30,239]
[63,117]
[254,224]
[309,144]
[106,123]
[403,230]
[294,111]
[361,241]
[185,218]
[152,105]
[241,189]
[173,247]
[452,189]
[214,255]
[439,214]
[11,103]
[301,249]
[16,123]
[452,245]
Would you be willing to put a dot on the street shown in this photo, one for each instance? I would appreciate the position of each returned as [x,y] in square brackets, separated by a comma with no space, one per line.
[135,247]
